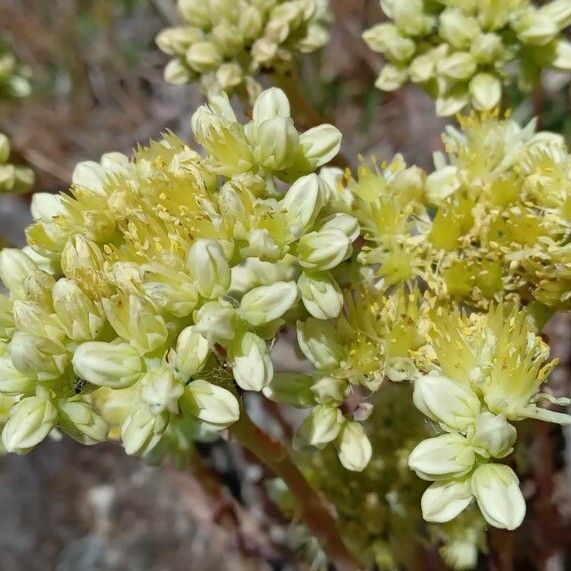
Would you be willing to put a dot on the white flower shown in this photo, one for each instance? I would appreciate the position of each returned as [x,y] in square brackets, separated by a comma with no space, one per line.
[323,250]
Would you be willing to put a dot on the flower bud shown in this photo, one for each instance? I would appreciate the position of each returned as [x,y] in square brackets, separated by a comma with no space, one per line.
[493,436]
[562,59]
[7,177]
[46,205]
[250,22]
[80,254]
[4,148]
[176,41]
[80,421]
[216,321]
[487,48]
[31,420]
[203,56]
[302,203]
[321,426]
[276,143]
[161,391]
[270,104]
[496,488]
[442,183]
[229,75]
[443,501]
[409,17]
[355,449]
[31,317]
[168,288]
[320,145]
[15,266]
[191,353]
[143,430]
[78,314]
[195,12]
[320,343]
[442,457]
[446,401]
[292,389]
[12,382]
[323,250]
[320,294]
[177,73]
[392,77]
[7,324]
[457,66]
[559,11]
[226,38]
[216,129]
[89,175]
[330,390]
[485,91]
[212,404]
[267,303]
[457,28]
[209,267]
[251,363]
[349,225]
[422,68]
[115,365]
[386,39]
[136,321]
[535,28]
[38,357]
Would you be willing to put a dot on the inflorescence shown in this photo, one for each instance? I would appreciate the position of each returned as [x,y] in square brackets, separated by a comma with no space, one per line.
[468,51]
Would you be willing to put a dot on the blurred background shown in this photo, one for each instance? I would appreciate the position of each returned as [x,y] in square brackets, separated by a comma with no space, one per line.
[98,87]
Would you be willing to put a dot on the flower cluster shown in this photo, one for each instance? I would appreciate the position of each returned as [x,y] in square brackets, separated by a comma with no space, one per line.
[227,43]
[379,507]
[487,372]
[149,295]
[14,84]
[465,51]
[490,221]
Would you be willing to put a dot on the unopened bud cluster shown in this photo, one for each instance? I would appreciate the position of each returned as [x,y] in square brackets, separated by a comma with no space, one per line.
[228,43]
[465,52]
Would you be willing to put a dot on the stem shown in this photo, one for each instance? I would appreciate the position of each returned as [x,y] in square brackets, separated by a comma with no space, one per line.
[313,509]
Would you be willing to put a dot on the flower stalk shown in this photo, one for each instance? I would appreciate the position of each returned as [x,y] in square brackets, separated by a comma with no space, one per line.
[314,511]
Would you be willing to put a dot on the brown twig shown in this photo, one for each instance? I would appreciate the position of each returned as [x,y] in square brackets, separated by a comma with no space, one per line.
[314,511]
